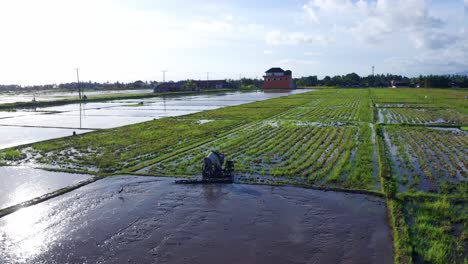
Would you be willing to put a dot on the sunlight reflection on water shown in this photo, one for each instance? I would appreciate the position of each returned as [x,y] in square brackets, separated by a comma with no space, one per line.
[24,234]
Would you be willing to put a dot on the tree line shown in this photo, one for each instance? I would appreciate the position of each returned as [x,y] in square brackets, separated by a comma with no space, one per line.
[385,80]
[348,80]
[73,86]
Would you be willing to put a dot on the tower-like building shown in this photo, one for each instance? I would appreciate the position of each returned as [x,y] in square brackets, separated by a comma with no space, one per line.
[277,78]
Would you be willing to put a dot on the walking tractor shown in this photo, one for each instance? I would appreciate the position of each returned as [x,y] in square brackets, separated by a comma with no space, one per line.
[213,170]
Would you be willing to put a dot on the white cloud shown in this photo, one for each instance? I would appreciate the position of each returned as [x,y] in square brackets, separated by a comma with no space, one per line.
[312,53]
[295,62]
[447,61]
[434,40]
[213,26]
[277,37]
[310,13]
[225,29]
[225,24]
[383,20]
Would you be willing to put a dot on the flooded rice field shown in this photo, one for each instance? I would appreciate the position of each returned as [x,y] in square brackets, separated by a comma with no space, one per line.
[142,219]
[48,95]
[11,136]
[24,127]
[20,184]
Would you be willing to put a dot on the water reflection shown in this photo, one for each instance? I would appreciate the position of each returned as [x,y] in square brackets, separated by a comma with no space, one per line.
[23,234]
[20,184]
[212,192]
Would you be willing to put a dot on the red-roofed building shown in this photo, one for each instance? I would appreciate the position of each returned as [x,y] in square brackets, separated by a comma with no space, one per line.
[277,78]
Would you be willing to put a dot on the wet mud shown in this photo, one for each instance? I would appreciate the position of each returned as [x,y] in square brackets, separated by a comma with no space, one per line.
[130,219]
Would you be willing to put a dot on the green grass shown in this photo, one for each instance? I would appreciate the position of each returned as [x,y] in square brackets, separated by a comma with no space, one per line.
[438,229]
[11,155]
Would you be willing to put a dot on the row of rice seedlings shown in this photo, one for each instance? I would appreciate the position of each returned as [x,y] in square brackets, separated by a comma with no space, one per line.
[446,159]
[239,148]
[434,163]
[364,110]
[243,144]
[249,157]
[276,153]
[314,172]
[423,116]
[287,137]
[320,114]
[333,160]
[361,176]
[301,157]
[406,116]
[339,100]
[260,162]
[318,158]
[297,147]
[453,147]
[447,167]
[344,165]
[440,168]
[180,164]
[407,169]
[422,164]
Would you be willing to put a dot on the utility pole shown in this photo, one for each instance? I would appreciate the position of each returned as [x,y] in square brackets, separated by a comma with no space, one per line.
[79,85]
[373,68]
[164,75]
[207,76]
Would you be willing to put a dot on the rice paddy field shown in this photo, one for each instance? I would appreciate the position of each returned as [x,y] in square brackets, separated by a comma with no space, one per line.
[407,145]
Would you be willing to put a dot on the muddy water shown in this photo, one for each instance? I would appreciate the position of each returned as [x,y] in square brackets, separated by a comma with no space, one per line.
[20,184]
[132,219]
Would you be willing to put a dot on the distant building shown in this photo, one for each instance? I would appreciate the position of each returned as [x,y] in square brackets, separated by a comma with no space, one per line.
[277,78]
[398,84]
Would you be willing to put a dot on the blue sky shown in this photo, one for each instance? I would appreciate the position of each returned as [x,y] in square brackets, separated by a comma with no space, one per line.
[123,40]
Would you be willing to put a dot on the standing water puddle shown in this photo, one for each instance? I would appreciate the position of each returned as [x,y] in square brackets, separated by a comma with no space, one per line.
[20,184]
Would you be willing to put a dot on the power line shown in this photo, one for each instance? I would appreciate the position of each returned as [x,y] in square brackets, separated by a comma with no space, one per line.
[79,85]
[164,75]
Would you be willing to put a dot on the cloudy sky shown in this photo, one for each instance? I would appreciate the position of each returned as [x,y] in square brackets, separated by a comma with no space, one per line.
[126,40]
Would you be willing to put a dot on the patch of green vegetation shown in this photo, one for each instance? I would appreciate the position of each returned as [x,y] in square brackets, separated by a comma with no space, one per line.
[438,229]
[11,155]
[249,87]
